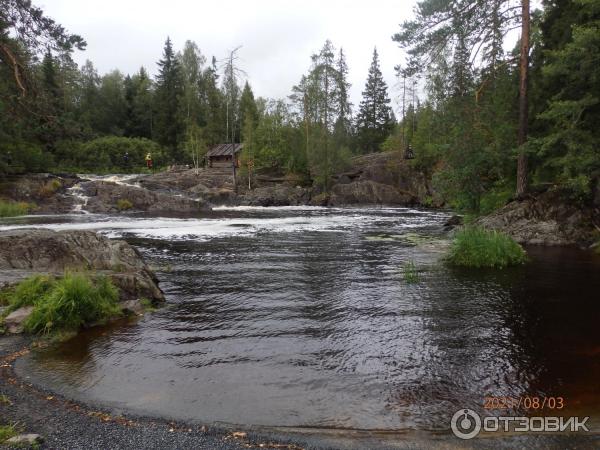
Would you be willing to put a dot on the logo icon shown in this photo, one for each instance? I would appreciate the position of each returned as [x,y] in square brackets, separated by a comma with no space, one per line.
[465,424]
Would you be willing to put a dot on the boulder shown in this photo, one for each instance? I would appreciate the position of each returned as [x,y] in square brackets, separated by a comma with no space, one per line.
[548,218]
[54,251]
[14,321]
[39,250]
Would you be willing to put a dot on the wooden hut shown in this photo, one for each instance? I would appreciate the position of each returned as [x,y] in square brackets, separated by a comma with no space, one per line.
[224,155]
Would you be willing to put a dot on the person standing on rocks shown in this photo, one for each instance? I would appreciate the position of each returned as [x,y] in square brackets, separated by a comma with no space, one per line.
[149,161]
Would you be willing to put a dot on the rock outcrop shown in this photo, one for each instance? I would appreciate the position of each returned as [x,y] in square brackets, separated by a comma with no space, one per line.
[48,193]
[106,196]
[47,251]
[546,219]
[380,178]
[280,194]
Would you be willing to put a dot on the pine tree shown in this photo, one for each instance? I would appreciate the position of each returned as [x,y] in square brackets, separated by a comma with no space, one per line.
[374,121]
[169,129]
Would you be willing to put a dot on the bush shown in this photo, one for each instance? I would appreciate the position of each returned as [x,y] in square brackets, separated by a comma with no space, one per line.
[12,209]
[65,304]
[124,204]
[477,247]
[105,154]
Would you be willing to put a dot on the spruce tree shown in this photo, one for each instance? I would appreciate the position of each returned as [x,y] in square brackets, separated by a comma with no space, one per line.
[168,124]
[248,112]
[375,119]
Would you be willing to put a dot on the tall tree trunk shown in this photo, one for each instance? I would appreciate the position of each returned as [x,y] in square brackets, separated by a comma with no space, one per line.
[522,175]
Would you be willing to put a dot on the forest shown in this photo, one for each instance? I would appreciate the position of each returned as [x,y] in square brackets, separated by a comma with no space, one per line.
[485,123]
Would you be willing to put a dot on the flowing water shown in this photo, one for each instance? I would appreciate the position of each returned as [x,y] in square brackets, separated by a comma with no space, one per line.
[303,317]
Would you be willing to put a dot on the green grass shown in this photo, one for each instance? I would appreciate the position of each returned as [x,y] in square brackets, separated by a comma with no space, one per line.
[411,273]
[28,291]
[477,247]
[65,304]
[6,432]
[124,204]
[13,209]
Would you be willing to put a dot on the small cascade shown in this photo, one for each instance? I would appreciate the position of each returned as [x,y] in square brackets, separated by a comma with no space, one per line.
[80,199]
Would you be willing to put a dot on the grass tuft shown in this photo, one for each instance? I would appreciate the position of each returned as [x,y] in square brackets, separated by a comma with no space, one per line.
[28,291]
[65,304]
[13,209]
[477,247]
[7,431]
[73,301]
[411,273]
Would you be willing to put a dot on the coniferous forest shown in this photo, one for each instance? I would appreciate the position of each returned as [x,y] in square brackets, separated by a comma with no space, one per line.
[485,117]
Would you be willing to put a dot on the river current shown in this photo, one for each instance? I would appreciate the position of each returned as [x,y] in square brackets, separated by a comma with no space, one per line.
[302,316]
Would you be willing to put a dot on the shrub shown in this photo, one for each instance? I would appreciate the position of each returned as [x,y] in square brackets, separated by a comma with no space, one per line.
[124,204]
[12,209]
[477,247]
[73,301]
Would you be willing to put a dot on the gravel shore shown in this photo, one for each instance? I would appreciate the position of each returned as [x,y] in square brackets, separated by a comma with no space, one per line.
[65,424]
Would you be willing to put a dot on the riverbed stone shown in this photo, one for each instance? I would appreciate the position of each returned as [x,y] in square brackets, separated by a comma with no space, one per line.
[25,439]
[133,306]
[15,320]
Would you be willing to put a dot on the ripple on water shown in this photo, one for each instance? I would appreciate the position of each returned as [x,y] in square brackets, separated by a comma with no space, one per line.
[295,317]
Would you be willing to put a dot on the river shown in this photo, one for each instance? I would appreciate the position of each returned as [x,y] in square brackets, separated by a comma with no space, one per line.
[301,316]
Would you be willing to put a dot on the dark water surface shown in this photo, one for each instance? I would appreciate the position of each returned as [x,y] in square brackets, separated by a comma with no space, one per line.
[302,317]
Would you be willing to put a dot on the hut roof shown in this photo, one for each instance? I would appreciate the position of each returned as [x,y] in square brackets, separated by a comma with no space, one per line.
[224,150]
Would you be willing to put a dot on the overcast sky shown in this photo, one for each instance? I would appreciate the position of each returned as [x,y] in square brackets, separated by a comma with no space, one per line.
[278,37]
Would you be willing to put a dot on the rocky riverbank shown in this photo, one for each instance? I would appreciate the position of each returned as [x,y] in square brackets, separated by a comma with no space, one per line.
[24,253]
[548,218]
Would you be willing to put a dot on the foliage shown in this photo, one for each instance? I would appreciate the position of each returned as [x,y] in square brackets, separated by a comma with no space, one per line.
[109,153]
[477,247]
[123,204]
[66,303]
[12,209]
